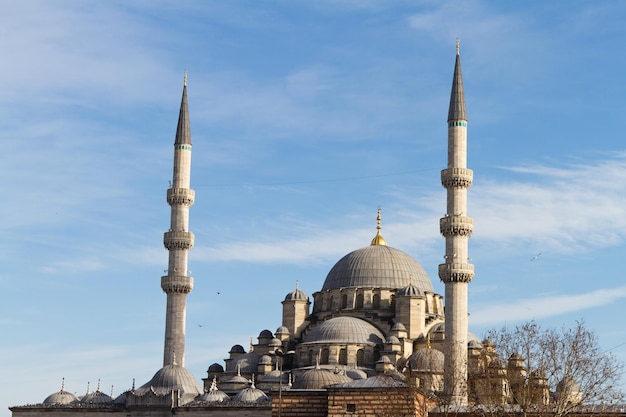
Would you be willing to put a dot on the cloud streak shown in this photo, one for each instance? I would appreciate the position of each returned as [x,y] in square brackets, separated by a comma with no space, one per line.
[543,307]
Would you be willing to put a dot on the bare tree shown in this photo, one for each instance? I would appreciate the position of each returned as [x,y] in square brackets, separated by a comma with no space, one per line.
[554,371]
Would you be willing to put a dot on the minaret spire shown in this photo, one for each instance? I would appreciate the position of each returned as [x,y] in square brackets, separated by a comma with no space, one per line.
[178,240]
[456,226]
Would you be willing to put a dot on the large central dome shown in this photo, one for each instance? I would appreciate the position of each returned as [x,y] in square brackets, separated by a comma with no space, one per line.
[377,266]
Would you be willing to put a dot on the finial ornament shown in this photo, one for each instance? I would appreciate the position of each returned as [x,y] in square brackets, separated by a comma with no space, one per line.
[458,46]
[185,76]
[62,384]
[297,285]
[428,340]
[378,239]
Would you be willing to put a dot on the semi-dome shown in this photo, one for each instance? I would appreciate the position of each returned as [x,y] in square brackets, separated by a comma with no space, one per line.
[345,330]
[319,378]
[377,266]
[171,378]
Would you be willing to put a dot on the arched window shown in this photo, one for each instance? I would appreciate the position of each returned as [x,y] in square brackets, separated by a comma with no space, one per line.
[343,356]
[392,302]
[344,301]
[330,304]
[324,358]
[360,357]
[359,300]
[376,300]
[376,354]
[311,357]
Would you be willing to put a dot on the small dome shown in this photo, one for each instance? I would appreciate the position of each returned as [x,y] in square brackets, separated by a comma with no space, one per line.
[296,295]
[474,344]
[393,340]
[356,373]
[60,397]
[213,395]
[319,378]
[398,327]
[274,376]
[96,397]
[120,399]
[409,291]
[275,343]
[377,266]
[266,333]
[426,360]
[237,349]
[251,395]
[281,331]
[265,360]
[345,330]
[215,367]
[437,332]
[171,378]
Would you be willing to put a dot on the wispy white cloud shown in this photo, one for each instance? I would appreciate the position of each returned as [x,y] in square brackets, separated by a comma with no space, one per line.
[542,307]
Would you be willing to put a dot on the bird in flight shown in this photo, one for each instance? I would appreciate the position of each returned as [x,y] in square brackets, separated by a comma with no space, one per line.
[536,256]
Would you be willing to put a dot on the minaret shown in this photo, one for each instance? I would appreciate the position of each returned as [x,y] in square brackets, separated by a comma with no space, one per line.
[456,227]
[178,241]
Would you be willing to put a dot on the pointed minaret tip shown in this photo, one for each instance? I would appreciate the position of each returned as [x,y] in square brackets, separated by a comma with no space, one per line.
[185,76]
[456,111]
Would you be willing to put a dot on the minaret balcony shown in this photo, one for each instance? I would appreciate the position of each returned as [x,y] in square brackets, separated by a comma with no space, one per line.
[181,196]
[178,240]
[456,226]
[457,177]
[177,284]
[456,272]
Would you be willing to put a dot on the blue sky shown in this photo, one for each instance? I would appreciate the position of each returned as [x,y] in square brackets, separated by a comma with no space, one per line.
[306,117]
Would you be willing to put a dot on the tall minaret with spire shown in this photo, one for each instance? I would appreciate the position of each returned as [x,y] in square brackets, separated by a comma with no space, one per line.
[178,241]
[456,226]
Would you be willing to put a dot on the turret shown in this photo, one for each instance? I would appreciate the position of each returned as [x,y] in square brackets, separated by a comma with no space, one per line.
[178,240]
[456,226]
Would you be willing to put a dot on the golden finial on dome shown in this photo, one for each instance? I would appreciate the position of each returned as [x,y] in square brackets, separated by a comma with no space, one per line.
[378,240]
[251,345]
[297,285]
[428,340]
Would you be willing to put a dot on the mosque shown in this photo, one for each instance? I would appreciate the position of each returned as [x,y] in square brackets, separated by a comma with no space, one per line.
[374,340]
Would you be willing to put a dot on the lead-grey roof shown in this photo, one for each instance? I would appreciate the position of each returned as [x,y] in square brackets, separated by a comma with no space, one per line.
[319,378]
[345,330]
[183,131]
[377,266]
[60,397]
[457,96]
[427,360]
[377,381]
[170,378]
